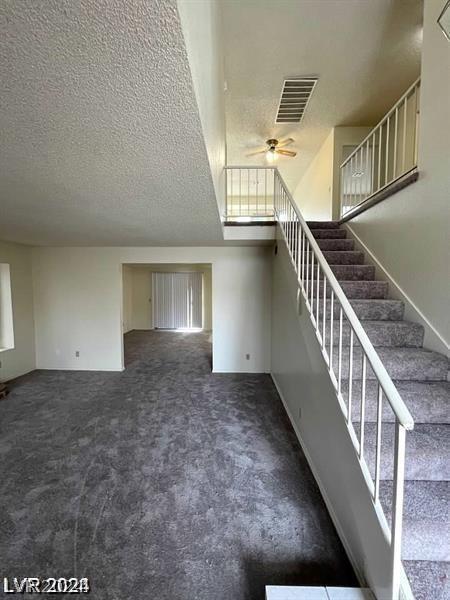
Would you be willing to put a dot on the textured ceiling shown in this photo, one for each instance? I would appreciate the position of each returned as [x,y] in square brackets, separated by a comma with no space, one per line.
[101,142]
[365,53]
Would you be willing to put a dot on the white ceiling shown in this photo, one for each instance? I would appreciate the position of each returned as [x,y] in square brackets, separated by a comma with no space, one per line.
[365,53]
[101,141]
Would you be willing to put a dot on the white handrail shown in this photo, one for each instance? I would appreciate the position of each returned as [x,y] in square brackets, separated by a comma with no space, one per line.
[304,250]
[386,155]
[317,282]
[398,406]
[383,120]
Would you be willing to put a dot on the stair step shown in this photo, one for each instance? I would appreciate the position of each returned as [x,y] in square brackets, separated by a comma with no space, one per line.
[427,402]
[427,451]
[413,364]
[370,309]
[335,244]
[330,234]
[354,272]
[425,517]
[364,289]
[344,257]
[359,289]
[377,310]
[429,580]
[390,334]
[323,224]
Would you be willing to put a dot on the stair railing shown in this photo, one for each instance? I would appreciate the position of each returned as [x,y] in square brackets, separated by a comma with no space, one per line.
[249,194]
[385,156]
[321,292]
[335,321]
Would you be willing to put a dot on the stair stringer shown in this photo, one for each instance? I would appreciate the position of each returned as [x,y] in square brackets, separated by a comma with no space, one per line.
[301,377]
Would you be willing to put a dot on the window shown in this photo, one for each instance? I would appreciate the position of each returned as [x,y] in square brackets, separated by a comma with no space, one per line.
[6,311]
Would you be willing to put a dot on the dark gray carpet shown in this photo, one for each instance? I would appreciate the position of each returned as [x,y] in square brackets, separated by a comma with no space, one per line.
[163,482]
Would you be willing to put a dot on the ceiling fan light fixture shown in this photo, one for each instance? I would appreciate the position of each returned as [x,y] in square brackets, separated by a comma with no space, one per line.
[271,154]
[274,147]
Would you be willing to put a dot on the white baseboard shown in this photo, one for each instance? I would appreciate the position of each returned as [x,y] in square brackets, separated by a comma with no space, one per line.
[433,338]
[326,499]
[104,370]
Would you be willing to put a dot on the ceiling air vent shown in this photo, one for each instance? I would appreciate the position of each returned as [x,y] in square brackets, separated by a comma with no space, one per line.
[294,99]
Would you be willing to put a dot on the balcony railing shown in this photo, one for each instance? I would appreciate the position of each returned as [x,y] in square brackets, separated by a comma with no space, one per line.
[351,360]
[249,193]
[385,156]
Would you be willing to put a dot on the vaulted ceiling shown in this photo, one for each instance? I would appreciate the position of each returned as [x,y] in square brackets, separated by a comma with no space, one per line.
[365,53]
[101,141]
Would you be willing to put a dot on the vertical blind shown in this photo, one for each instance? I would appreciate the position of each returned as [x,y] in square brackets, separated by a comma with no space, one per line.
[177,300]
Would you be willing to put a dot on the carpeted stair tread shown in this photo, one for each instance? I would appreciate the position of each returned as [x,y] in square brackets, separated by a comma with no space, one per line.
[335,244]
[383,333]
[428,402]
[425,517]
[430,580]
[427,451]
[377,309]
[361,289]
[344,257]
[330,234]
[323,224]
[354,272]
[370,309]
[413,364]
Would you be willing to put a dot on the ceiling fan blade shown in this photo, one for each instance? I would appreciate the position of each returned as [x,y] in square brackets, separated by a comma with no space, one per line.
[285,142]
[286,152]
[258,152]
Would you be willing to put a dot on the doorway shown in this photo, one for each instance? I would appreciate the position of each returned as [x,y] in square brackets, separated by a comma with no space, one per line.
[172,300]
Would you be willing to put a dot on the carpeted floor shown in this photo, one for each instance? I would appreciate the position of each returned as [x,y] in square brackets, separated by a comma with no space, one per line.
[163,482]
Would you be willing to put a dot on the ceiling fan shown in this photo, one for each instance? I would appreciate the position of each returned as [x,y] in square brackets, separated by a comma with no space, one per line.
[275,147]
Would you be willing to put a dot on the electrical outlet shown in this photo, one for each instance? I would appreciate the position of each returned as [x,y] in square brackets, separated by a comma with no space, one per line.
[77,353]
[299,412]
[247,357]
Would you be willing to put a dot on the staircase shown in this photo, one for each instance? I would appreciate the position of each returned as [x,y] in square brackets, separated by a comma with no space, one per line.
[420,376]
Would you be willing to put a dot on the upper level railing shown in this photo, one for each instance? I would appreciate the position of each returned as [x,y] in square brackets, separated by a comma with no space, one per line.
[352,362]
[249,193]
[387,154]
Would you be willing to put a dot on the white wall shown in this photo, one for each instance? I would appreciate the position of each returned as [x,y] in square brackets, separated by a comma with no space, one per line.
[127,299]
[78,304]
[207,299]
[142,294]
[408,232]
[20,359]
[203,38]
[318,192]
[302,379]
[313,193]
[343,136]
